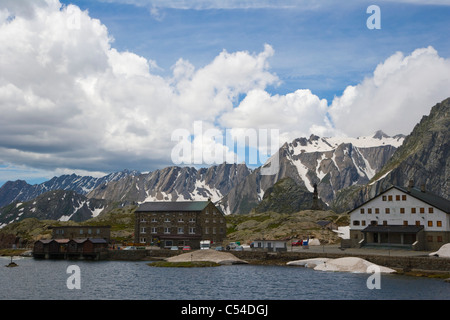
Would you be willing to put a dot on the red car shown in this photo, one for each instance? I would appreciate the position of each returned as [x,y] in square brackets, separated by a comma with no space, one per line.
[297,243]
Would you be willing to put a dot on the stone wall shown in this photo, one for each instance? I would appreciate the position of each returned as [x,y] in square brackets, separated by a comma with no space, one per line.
[281,258]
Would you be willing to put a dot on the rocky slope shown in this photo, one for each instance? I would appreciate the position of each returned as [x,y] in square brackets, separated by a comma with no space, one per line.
[330,163]
[174,184]
[423,158]
[286,196]
[20,190]
[53,205]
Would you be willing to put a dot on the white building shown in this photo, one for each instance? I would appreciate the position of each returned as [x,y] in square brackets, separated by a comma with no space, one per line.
[402,217]
[270,245]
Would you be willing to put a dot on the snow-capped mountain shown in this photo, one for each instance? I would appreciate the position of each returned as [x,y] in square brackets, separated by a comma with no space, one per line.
[174,184]
[20,190]
[330,163]
[59,205]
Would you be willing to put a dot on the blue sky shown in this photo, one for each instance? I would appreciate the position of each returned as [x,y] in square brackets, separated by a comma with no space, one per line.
[323,49]
[78,101]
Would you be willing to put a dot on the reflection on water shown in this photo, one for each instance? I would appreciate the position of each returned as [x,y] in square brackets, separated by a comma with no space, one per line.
[47,279]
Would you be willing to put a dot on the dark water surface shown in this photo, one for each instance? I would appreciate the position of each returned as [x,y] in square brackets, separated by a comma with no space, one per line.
[112,280]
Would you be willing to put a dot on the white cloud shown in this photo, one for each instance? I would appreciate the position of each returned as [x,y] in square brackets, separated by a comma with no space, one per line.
[296,114]
[71,100]
[401,90]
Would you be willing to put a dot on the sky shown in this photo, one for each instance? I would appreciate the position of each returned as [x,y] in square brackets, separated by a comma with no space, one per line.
[98,86]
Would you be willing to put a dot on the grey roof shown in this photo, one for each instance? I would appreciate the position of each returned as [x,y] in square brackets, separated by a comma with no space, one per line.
[393,229]
[425,196]
[428,197]
[173,206]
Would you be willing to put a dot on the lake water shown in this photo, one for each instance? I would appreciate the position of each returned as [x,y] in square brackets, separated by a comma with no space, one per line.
[123,280]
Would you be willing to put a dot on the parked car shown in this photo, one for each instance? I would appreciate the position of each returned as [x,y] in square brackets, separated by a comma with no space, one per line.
[129,248]
[186,248]
[218,248]
[239,248]
[173,248]
[297,243]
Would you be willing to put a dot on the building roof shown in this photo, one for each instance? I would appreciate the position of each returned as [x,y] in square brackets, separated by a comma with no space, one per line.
[425,196]
[428,197]
[393,229]
[165,206]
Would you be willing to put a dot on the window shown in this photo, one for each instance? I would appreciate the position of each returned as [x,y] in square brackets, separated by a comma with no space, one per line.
[81,231]
[402,210]
[405,223]
[191,219]
[439,239]
[418,223]
[430,223]
[397,197]
[422,210]
[142,240]
[143,220]
[362,210]
[154,220]
[166,220]
[387,210]
[191,230]
[389,198]
[356,222]
[403,197]
[430,210]
[206,230]
[214,230]
[369,210]
[153,230]
[166,230]
[143,230]
[383,198]
[377,210]
[180,220]
[384,223]
[180,230]
[363,222]
[439,223]
[413,210]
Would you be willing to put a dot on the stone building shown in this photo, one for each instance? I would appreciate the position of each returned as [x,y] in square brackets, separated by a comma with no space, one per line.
[73,232]
[405,217]
[181,223]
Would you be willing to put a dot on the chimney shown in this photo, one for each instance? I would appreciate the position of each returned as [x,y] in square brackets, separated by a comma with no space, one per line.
[410,185]
[422,187]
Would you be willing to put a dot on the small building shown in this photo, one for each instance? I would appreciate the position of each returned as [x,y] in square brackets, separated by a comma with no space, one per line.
[69,248]
[269,245]
[181,223]
[74,232]
[405,217]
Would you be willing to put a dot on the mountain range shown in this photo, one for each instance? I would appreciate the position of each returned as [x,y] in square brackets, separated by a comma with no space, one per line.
[346,171]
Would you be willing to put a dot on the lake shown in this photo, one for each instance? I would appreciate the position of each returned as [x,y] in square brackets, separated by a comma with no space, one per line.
[123,280]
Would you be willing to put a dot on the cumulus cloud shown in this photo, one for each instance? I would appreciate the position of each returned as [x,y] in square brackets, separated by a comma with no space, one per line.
[71,101]
[401,90]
